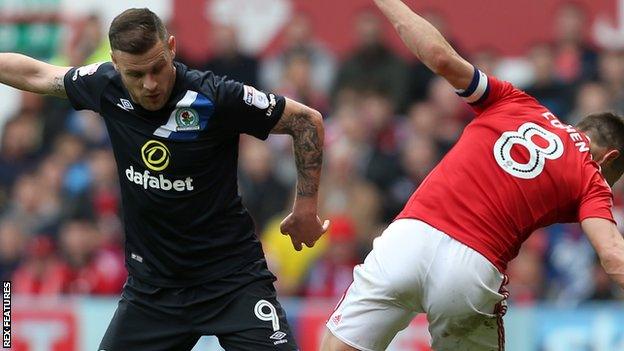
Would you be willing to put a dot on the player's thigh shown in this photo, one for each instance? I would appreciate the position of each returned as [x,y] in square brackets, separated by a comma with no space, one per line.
[477,332]
[477,326]
[332,343]
[464,300]
[387,288]
[255,321]
[138,328]
[369,315]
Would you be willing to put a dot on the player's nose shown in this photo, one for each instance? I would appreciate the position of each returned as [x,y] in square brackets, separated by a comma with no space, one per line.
[149,83]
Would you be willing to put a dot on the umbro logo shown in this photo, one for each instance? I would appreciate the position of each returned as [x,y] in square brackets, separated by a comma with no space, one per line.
[278,335]
[125,104]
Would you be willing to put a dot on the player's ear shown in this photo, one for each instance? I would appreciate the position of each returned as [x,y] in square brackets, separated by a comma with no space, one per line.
[171,44]
[609,158]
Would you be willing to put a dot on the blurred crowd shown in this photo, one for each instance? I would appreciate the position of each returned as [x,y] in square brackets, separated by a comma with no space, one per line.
[388,121]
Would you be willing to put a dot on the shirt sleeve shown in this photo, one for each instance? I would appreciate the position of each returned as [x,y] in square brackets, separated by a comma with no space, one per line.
[245,109]
[598,199]
[485,91]
[84,85]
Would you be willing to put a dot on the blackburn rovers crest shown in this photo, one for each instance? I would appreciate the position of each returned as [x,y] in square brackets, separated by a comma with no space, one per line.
[186,119]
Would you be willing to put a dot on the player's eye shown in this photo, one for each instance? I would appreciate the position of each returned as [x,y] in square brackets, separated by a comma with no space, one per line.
[135,74]
[158,69]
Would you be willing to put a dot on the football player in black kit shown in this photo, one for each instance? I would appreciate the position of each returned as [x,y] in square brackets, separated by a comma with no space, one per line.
[195,264]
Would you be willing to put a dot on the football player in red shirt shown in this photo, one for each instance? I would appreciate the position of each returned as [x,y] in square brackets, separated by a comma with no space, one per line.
[515,168]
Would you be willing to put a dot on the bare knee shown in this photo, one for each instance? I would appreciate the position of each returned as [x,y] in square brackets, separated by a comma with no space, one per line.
[332,343]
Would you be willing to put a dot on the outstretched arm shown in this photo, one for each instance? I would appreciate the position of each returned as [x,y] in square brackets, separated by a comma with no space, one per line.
[426,42]
[305,125]
[609,245]
[25,73]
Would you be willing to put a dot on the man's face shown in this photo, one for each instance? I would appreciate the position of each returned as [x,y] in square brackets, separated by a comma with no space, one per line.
[149,77]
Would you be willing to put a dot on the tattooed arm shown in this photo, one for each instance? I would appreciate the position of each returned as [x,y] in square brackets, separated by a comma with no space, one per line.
[305,125]
[25,73]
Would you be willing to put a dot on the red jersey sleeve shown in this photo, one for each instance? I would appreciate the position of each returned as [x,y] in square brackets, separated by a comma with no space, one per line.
[485,91]
[597,200]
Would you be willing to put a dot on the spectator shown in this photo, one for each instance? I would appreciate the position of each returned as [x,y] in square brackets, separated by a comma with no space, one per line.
[382,166]
[487,60]
[547,88]
[297,83]
[346,126]
[526,272]
[418,157]
[24,206]
[453,113]
[331,274]
[49,180]
[611,74]
[100,197]
[421,120]
[87,43]
[228,60]
[442,96]
[88,126]
[372,66]
[265,196]
[105,199]
[88,268]
[41,272]
[69,148]
[290,266]
[575,59]
[299,40]
[12,241]
[569,260]
[420,75]
[591,97]
[345,191]
[36,202]
[19,148]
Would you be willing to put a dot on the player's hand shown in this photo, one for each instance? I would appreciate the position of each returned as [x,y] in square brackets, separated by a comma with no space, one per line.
[303,229]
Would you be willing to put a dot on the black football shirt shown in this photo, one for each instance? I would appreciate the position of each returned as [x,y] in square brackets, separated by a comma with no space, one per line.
[183,217]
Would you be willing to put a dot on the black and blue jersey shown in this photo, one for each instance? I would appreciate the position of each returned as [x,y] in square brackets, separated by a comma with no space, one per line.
[183,217]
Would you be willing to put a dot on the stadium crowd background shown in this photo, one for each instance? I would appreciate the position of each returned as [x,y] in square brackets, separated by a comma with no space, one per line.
[388,122]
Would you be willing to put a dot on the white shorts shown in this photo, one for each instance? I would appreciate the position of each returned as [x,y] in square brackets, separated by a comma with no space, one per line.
[415,268]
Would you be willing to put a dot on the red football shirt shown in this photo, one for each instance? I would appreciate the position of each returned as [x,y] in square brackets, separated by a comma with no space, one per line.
[515,168]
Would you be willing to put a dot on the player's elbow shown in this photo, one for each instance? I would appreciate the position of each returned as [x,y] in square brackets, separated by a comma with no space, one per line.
[315,118]
[402,30]
[440,59]
[304,123]
[313,127]
[311,117]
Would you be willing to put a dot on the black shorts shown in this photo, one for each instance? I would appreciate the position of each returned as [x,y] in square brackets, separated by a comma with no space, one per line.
[149,318]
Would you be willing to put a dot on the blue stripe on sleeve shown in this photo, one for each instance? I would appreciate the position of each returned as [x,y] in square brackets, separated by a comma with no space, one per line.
[472,87]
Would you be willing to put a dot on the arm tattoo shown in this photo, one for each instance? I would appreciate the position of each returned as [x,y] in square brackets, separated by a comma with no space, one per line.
[57,88]
[308,148]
